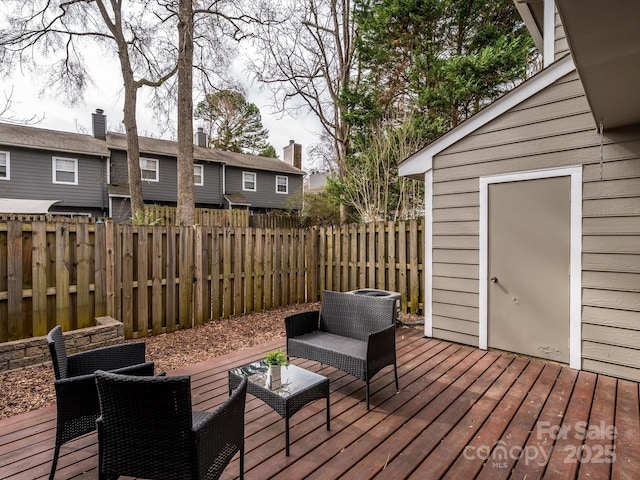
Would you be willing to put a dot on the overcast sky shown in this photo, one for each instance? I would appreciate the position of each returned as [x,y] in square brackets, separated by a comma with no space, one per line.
[107,95]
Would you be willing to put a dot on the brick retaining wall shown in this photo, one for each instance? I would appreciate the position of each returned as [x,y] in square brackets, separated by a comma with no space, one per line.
[34,351]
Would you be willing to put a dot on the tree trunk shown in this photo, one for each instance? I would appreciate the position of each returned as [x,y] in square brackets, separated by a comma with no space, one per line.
[185,214]
[133,146]
[130,104]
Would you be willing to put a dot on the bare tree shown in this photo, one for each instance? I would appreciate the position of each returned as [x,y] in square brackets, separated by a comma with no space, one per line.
[63,30]
[142,35]
[186,194]
[311,59]
[7,115]
[371,183]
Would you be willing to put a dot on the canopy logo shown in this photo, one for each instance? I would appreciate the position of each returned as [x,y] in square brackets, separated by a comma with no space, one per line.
[581,442]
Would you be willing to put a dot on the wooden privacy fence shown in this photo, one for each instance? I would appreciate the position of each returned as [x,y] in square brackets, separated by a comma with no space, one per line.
[210,217]
[157,279]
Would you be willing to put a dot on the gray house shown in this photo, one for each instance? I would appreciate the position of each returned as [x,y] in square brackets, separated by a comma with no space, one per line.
[66,169]
[87,175]
[532,241]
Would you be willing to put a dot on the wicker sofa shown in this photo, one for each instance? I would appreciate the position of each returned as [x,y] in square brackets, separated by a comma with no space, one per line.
[353,333]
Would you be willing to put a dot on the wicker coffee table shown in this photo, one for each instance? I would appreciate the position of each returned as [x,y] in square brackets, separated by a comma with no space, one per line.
[298,388]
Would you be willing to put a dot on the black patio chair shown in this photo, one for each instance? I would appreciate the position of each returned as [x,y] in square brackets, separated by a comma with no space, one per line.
[77,403]
[147,429]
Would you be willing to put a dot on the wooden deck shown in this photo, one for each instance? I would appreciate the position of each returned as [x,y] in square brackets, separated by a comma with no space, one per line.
[461,413]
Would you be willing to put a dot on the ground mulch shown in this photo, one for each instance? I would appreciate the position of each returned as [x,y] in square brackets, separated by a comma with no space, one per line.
[32,388]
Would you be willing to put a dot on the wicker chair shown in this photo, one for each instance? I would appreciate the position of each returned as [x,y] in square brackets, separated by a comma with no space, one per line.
[353,333]
[147,429]
[76,396]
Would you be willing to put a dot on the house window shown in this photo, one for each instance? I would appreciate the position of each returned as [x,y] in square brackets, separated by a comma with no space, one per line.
[4,165]
[198,175]
[282,184]
[249,181]
[149,169]
[65,170]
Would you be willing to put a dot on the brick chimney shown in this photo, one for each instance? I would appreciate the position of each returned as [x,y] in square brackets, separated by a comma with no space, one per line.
[99,123]
[293,154]
[201,138]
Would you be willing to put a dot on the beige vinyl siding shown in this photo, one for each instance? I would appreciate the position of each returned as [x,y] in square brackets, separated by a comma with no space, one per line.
[561,47]
[611,258]
[553,128]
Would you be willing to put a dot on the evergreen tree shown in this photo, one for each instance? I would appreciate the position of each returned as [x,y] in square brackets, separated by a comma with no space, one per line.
[233,124]
[426,66]
[437,61]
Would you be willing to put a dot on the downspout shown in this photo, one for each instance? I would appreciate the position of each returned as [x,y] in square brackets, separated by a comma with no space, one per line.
[224,183]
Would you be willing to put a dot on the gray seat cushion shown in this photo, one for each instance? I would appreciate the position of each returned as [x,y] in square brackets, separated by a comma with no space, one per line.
[331,343]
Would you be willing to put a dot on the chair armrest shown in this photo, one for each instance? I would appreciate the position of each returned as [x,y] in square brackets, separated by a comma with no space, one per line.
[76,397]
[145,369]
[382,343]
[221,429]
[301,323]
[106,358]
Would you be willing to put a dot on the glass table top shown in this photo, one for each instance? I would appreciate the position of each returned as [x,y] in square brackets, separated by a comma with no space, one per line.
[293,379]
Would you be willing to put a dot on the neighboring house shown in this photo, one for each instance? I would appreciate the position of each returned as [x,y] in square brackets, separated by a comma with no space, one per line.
[532,240]
[159,175]
[261,184]
[66,168]
[87,175]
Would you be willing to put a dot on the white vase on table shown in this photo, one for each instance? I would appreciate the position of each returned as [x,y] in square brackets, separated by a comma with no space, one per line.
[274,376]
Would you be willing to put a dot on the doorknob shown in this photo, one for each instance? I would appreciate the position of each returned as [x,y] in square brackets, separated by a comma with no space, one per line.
[494,279]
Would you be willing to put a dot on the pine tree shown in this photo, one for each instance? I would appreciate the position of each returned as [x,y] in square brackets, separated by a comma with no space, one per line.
[233,124]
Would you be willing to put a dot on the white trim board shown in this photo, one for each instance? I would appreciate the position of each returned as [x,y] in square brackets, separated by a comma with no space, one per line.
[428,253]
[575,282]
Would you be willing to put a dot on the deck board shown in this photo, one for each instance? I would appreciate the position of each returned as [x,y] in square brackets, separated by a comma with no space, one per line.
[456,404]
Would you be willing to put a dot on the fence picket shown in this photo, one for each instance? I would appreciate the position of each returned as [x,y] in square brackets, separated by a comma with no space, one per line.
[402,262]
[16,328]
[216,297]
[227,293]
[62,264]
[99,270]
[249,273]
[237,272]
[39,279]
[157,307]
[258,266]
[413,264]
[128,311]
[200,277]
[83,277]
[143,281]
[185,265]
[171,262]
